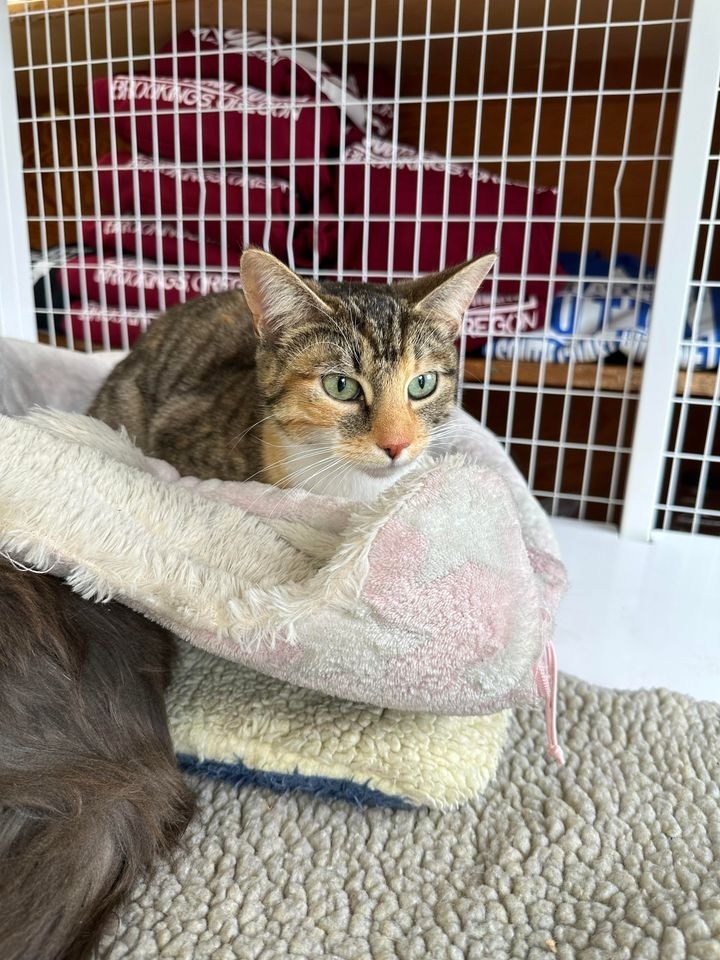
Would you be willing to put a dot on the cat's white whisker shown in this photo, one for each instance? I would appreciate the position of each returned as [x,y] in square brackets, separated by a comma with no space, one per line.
[327,469]
[284,461]
[451,430]
[236,440]
[301,472]
[270,488]
[340,469]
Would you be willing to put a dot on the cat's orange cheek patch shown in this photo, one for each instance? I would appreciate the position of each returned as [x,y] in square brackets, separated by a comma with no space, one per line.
[320,410]
[418,443]
[274,470]
[359,449]
[306,409]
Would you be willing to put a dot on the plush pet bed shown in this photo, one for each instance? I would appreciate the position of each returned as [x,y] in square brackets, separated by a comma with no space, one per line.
[308,590]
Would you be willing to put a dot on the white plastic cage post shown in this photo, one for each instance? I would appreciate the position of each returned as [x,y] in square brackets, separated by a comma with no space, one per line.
[686,189]
[17,311]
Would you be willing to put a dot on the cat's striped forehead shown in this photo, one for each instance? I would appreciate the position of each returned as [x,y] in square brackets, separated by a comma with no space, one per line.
[411,318]
[371,327]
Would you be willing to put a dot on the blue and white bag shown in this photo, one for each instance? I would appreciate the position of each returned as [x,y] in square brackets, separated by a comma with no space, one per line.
[613,317]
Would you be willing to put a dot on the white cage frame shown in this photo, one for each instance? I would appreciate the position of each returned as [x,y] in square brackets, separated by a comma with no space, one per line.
[646,505]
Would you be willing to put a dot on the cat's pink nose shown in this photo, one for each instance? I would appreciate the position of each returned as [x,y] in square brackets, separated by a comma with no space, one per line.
[394,448]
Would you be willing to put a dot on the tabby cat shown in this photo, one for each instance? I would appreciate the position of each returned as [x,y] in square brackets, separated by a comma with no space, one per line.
[335,387]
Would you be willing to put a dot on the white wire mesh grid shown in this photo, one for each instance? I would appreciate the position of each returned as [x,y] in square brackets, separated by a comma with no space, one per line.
[690,493]
[580,97]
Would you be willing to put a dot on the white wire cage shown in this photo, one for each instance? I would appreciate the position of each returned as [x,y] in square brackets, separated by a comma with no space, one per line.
[376,141]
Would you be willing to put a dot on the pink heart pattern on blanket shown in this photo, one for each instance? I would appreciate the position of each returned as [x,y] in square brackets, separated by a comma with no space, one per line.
[451,610]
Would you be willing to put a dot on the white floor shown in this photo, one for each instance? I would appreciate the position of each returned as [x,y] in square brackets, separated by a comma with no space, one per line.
[640,614]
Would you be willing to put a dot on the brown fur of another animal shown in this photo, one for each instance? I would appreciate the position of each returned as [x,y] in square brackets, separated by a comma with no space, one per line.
[90,794]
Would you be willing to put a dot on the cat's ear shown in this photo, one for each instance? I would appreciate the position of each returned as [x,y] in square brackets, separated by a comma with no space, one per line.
[448,294]
[276,296]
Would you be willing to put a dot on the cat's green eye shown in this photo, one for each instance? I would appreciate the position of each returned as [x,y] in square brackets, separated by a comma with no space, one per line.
[422,386]
[340,387]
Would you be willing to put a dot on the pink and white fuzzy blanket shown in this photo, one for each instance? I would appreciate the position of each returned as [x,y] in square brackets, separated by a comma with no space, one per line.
[439,597]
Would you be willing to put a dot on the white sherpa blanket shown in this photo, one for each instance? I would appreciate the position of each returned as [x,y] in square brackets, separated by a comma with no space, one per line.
[439,597]
[232,723]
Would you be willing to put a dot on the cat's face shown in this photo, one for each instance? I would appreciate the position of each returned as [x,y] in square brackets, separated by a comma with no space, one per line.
[355,377]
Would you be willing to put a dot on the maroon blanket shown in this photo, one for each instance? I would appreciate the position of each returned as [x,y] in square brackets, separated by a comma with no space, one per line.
[193,198]
[271,65]
[204,121]
[154,243]
[105,325]
[124,280]
[279,110]
[410,231]
[194,195]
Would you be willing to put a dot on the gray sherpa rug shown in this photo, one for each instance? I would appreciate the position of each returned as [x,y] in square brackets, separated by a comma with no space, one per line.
[615,856]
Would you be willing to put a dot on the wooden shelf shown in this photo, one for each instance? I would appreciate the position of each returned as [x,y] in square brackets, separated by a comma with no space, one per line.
[585,376]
